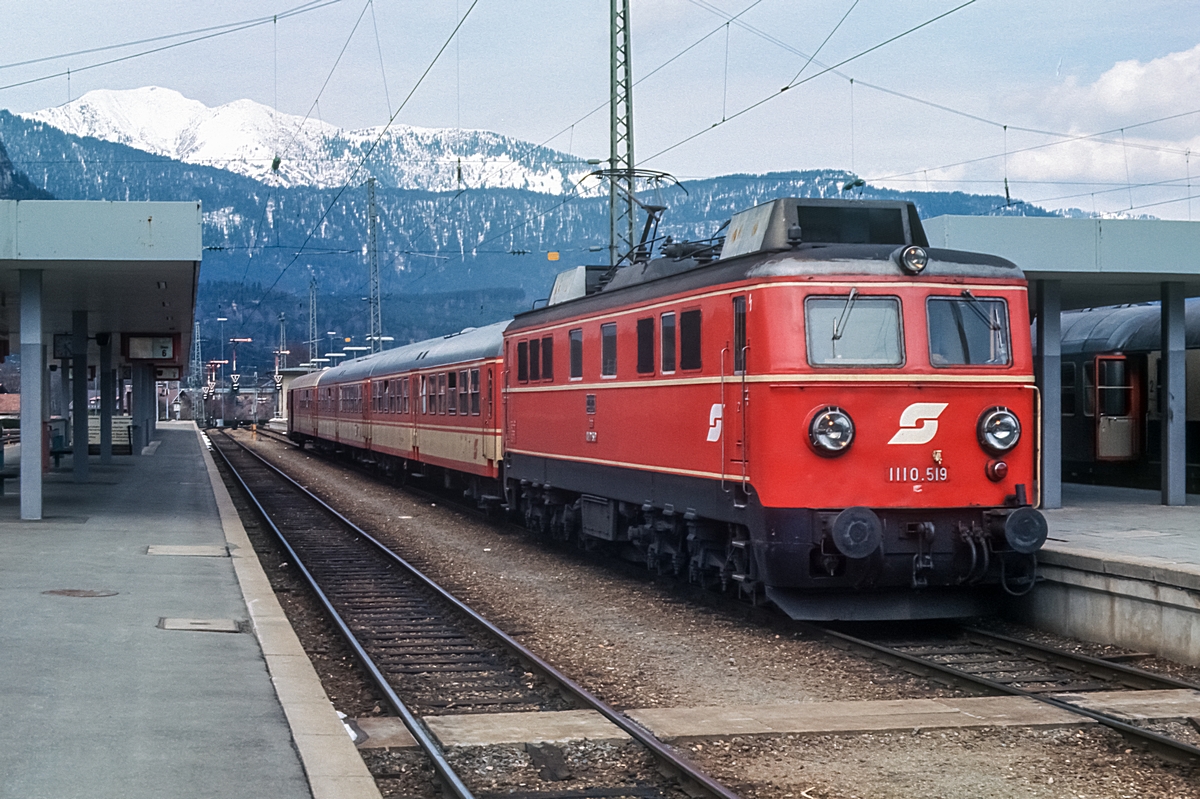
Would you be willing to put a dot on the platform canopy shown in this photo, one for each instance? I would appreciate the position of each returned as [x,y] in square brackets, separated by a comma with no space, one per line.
[103,284]
[1097,262]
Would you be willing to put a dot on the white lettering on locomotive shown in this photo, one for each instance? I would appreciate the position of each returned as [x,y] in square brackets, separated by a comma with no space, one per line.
[715,415]
[918,423]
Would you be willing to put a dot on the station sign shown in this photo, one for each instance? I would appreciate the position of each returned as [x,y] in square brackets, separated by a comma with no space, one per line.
[150,346]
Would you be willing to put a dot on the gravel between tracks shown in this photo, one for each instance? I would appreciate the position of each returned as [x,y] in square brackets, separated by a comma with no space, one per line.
[635,644]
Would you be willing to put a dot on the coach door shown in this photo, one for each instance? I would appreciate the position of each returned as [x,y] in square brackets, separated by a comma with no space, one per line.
[734,396]
[1118,408]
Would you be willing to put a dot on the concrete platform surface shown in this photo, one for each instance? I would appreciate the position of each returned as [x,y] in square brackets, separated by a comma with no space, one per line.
[99,697]
[1127,525]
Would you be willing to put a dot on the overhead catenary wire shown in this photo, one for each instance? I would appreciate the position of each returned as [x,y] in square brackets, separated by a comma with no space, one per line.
[304,9]
[799,82]
[420,80]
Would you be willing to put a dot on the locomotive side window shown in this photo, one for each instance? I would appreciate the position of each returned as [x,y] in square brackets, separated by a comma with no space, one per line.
[474,392]
[608,350]
[576,341]
[535,359]
[548,358]
[1068,389]
[689,340]
[668,343]
[452,393]
[853,330]
[523,361]
[968,331]
[645,346]
[739,335]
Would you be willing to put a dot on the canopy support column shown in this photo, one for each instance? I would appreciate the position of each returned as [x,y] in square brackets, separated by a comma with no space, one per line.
[31,394]
[1173,393]
[1048,374]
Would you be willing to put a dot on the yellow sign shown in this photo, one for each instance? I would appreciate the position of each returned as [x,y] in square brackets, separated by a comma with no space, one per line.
[552,255]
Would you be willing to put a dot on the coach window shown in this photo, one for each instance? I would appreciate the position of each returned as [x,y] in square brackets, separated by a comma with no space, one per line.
[968,331]
[548,358]
[535,359]
[853,330]
[441,398]
[1068,389]
[1089,389]
[404,395]
[424,394]
[645,346]
[464,391]
[739,335]
[608,350]
[452,393]
[689,340]
[523,361]
[668,343]
[474,392]
[576,341]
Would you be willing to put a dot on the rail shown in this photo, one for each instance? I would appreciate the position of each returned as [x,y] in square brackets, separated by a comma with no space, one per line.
[683,770]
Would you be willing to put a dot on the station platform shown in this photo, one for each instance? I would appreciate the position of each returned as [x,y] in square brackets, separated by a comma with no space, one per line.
[1119,567]
[142,651]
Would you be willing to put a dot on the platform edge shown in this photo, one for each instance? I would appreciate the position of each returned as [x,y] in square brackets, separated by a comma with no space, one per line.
[332,764]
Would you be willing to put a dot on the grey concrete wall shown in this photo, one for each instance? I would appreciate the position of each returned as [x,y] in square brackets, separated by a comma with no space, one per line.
[1145,604]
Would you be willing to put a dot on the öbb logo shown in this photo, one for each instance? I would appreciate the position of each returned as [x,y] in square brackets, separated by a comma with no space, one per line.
[918,423]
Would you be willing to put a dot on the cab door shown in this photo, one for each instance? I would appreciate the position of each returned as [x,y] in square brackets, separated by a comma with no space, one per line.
[735,459]
[1118,409]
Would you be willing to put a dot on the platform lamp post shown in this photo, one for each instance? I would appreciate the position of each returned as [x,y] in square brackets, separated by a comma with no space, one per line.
[235,341]
[331,334]
[221,371]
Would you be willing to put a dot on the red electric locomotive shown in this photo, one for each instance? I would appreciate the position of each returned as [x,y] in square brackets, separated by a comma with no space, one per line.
[823,412]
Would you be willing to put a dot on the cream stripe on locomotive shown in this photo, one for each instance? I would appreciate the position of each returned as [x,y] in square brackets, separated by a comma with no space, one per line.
[856,281]
[1021,381]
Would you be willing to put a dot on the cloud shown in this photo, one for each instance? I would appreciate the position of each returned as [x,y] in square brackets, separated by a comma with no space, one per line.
[1127,94]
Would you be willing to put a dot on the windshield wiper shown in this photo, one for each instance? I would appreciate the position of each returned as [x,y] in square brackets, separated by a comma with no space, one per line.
[840,326]
[978,307]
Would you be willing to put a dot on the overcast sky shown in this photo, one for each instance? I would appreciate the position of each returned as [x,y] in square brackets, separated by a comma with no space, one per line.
[536,69]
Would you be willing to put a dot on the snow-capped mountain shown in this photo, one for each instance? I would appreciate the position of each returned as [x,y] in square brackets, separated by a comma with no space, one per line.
[245,137]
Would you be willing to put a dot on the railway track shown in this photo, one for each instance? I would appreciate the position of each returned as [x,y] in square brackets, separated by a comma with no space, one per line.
[990,663]
[993,664]
[426,651]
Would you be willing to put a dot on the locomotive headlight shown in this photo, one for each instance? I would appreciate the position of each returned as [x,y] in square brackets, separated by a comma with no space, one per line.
[912,259]
[999,429]
[831,431]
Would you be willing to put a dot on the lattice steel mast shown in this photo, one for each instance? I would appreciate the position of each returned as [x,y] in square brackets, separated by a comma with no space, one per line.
[196,367]
[376,336]
[312,324]
[621,207]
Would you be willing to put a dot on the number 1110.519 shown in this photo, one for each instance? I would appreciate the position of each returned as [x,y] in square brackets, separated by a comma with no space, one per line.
[915,474]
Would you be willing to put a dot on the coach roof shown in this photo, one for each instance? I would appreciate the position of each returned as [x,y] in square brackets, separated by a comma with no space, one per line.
[472,344]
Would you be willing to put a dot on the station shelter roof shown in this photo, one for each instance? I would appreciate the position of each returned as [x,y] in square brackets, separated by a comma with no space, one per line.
[133,266]
[1098,261]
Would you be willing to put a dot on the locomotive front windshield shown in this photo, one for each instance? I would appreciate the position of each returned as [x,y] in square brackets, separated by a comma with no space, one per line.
[853,330]
[968,331]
